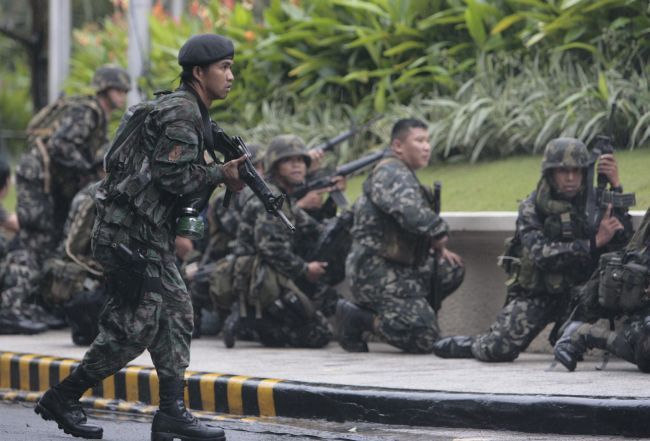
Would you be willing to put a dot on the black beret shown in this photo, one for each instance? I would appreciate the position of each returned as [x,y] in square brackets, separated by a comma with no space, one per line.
[205,49]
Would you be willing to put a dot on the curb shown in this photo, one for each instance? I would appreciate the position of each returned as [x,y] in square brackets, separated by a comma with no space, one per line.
[135,388]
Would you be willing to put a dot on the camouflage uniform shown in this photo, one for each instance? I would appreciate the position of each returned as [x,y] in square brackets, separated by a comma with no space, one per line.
[390,265]
[159,317]
[555,251]
[262,235]
[65,140]
[632,307]
[271,293]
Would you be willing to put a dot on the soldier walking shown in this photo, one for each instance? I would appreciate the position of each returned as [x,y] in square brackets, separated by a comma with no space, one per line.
[151,177]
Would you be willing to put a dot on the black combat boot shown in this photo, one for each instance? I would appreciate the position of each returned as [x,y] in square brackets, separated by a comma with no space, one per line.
[579,336]
[18,324]
[174,421]
[458,346]
[352,321]
[61,404]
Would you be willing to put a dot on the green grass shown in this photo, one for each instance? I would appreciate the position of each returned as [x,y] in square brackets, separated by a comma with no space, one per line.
[496,185]
[499,185]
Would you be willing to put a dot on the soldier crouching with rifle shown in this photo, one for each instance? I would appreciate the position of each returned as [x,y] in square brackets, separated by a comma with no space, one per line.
[555,249]
[395,235]
[156,163]
[267,291]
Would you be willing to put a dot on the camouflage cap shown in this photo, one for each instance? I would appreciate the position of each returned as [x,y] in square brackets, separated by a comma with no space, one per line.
[285,146]
[204,49]
[565,152]
[111,77]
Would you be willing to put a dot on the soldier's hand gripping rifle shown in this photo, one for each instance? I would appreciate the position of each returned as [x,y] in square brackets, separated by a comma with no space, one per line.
[329,144]
[329,180]
[599,198]
[233,148]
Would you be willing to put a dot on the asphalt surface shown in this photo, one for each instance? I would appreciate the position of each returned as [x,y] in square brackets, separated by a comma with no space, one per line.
[19,423]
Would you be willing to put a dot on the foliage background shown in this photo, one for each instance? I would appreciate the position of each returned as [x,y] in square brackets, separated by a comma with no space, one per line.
[493,78]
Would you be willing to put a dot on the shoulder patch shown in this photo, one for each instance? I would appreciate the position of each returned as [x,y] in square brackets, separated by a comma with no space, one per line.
[175,153]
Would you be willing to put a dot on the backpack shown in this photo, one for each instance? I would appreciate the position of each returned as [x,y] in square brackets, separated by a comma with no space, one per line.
[46,121]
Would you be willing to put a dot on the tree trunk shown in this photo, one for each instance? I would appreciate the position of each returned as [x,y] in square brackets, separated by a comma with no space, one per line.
[38,53]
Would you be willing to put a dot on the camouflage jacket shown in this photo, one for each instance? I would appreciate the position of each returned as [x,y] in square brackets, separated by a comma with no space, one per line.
[70,144]
[264,234]
[393,215]
[173,166]
[568,259]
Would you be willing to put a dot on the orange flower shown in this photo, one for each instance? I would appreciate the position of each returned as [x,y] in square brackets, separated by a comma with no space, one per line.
[249,35]
[194,8]
[158,11]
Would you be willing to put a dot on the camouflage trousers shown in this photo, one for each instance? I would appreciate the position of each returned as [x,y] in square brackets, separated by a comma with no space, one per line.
[400,296]
[41,227]
[161,322]
[516,325]
[19,272]
[41,214]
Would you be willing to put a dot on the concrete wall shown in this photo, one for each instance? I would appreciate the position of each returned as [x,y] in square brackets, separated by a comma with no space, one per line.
[479,238]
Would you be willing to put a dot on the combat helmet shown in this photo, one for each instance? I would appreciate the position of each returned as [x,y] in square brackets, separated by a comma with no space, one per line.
[565,153]
[111,76]
[285,146]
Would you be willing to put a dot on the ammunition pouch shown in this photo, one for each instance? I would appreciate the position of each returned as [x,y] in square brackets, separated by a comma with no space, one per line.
[222,292]
[560,226]
[623,284]
[62,280]
[402,247]
[249,281]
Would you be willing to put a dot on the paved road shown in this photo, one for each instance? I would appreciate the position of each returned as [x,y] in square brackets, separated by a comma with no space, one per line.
[19,423]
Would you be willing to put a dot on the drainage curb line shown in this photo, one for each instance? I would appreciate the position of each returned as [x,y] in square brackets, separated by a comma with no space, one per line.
[265,397]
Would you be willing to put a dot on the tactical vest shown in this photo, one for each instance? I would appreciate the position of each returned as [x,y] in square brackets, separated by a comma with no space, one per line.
[563,222]
[624,278]
[397,244]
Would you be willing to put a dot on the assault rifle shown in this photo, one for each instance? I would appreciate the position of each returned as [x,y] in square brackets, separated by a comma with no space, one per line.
[344,170]
[599,198]
[329,144]
[233,148]
[435,299]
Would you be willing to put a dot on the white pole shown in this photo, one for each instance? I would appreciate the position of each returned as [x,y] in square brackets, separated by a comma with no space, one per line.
[177,9]
[59,47]
[138,54]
